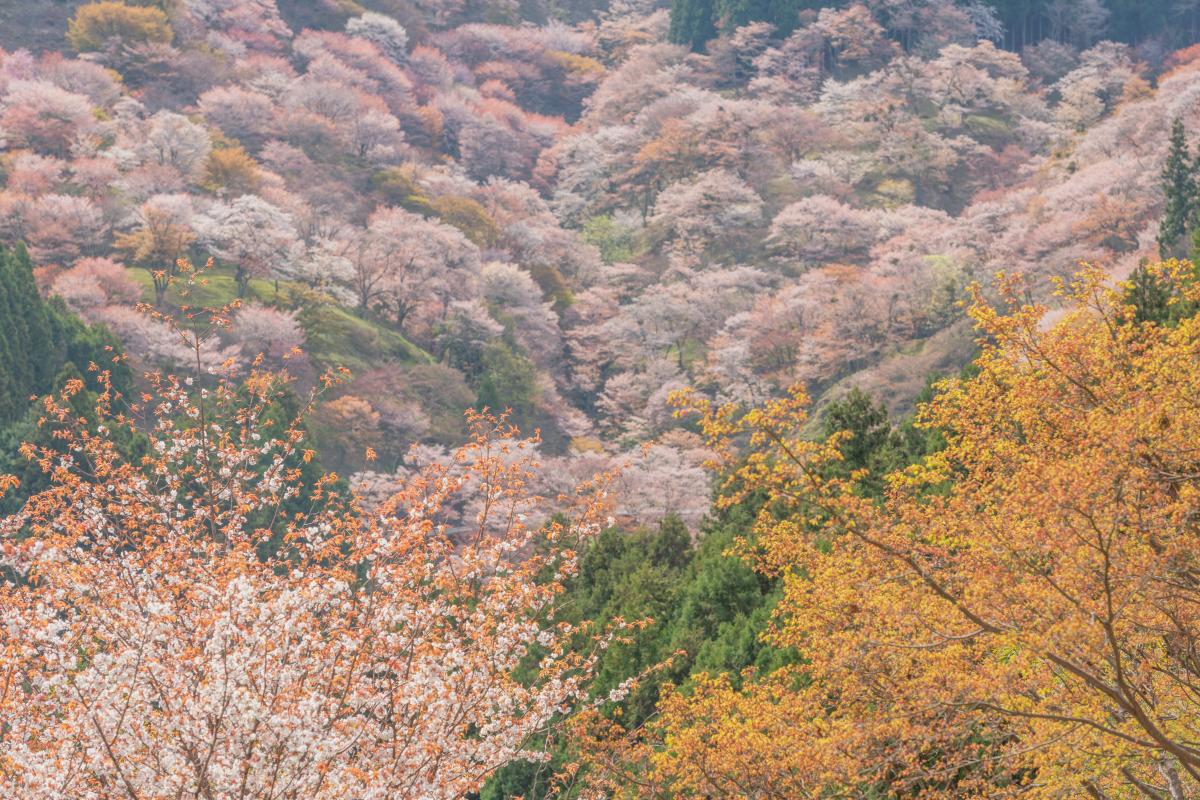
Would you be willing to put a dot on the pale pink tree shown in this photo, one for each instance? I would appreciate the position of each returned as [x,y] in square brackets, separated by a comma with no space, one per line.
[402,420]
[322,263]
[661,480]
[402,260]
[669,318]
[268,332]
[242,113]
[464,329]
[33,174]
[358,62]
[14,210]
[43,117]
[97,177]
[173,140]
[498,139]
[851,39]
[717,210]
[820,228]
[95,282]
[374,135]
[154,344]
[61,227]
[633,405]
[77,76]
[236,26]
[382,31]
[514,293]
[256,236]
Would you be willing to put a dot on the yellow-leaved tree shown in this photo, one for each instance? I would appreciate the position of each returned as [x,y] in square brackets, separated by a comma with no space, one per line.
[1020,614]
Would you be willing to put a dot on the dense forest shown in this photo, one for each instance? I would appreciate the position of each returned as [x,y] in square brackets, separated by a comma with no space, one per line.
[599,399]
[1016,24]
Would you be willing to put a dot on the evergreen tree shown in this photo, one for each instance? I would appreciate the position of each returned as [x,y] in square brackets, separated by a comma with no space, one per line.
[44,433]
[724,605]
[692,23]
[782,14]
[1179,186]
[508,380]
[42,346]
[32,347]
[1151,297]
[695,22]
[875,444]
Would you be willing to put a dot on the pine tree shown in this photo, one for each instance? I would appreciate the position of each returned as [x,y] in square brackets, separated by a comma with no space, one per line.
[38,337]
[1179,186]
[44,347]
[782,14]
[692,23]
[695,22]
[1150,296]
[16,363]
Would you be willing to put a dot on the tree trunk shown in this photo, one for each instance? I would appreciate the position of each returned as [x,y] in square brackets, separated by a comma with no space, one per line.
[1174,783]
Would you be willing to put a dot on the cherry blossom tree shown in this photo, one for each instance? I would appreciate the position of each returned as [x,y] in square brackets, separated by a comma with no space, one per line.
[717,209]
[256,236]
[464,331]
[662,480]
[346,427]
[172,633]
[157,345]
[267,332]
[175,141]
[374,134]
[237,25]
[402,421]
[33,174]
[94,282]
[163,233]
[402,260]
[244,114]
[516,296]
[669,317]
[820,228]
[382,31]
[61,227]
[74,75]
[43,117]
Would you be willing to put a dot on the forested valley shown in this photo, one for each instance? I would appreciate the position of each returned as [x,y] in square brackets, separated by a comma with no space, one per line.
[598,399]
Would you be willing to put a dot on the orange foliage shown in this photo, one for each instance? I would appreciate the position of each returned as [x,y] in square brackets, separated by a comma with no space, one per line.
[231,171]
[1019,616]
[203,621]
[1181,61]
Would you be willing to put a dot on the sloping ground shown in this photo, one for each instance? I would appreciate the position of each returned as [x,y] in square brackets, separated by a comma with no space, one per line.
[35,26]
[335,336]
[1098,201]
[898,379]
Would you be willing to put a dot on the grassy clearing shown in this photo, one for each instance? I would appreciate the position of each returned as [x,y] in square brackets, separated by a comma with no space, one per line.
[336,336]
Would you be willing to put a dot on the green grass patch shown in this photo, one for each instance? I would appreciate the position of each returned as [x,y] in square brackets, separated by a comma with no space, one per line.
[336,337]
[213,289]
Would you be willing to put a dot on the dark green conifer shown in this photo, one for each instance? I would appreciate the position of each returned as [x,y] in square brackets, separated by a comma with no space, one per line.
[38,337]
[782,14]
[692,23]
[1179,187]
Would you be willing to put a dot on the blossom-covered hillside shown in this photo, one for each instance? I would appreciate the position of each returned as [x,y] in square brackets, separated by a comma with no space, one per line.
[573,217]
[599,399]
